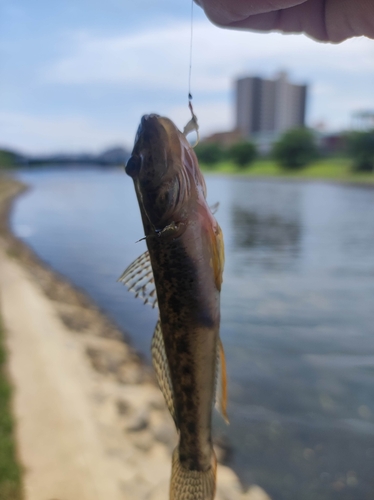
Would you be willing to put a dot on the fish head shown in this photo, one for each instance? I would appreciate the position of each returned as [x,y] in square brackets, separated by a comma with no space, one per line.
[165,171]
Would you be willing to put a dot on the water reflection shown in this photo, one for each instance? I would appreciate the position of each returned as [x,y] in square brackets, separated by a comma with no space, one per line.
[266,228]
[267,232]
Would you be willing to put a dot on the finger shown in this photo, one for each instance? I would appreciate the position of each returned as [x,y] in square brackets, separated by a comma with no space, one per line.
[347,18]
[323,20]
[330,20]
[308,18]
[225,12]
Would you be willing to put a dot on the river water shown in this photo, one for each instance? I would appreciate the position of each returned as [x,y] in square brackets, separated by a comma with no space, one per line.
[297,312]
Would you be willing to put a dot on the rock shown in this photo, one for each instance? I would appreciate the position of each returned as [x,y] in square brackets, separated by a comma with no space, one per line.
[104,360]
[130,373]
[123,407]
[139,421]
[114,358]
[74,317]
[156,465]
[222,449]
[228,485]
[161,491]
[143,440]
[138,488]
[255,493]
[156,401]
[163,429]
[166,435]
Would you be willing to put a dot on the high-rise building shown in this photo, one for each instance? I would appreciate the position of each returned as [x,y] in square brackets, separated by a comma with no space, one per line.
[267,108]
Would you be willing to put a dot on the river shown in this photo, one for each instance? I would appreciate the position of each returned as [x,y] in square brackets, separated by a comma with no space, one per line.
[297,312]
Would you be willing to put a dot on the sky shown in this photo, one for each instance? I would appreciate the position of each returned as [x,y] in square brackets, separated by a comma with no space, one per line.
[77,75]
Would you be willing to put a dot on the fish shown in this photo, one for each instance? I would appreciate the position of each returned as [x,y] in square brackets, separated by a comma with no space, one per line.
[181,273]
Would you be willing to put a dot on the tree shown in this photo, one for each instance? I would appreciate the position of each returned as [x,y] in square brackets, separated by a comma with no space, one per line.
[209,152]
[361,150]
[242,153]
[295,149]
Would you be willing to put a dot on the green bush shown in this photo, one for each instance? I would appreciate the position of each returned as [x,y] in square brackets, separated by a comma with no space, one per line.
[7,159]
[361,150]
[10,471]
[209,153]
[242,153]
[295,149]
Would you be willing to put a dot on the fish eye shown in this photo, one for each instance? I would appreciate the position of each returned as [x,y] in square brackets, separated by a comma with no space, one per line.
[133,165]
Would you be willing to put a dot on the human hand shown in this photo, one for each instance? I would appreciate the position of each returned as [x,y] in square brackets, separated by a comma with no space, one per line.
[323,20]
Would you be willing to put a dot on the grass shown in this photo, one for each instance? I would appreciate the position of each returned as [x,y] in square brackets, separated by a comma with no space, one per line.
[335,169]
[10,471]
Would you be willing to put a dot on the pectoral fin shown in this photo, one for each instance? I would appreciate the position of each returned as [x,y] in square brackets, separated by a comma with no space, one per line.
[218,255]
[138,277]
[214,208]
[161,366]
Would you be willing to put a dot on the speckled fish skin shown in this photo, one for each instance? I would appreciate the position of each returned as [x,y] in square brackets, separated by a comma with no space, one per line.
[186,251]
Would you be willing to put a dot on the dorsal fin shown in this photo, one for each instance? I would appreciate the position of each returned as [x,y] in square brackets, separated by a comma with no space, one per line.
[138,277]
[161,366]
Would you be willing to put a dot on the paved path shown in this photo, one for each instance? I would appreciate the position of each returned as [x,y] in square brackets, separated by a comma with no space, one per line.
[58,441]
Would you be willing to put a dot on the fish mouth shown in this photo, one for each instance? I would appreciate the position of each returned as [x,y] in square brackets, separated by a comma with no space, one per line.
[148,134]
[149,119]
[154,127]
[148,124]
[157,149]
[157,144]
[150,130]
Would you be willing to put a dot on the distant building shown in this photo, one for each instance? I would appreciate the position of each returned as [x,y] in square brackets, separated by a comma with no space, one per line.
[224,138]
[267,108]
[332,143]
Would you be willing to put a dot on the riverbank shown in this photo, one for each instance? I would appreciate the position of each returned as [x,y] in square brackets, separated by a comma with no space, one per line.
[90,421]
[327,170]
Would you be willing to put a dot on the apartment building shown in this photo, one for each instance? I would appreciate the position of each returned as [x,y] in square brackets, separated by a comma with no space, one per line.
[267,108]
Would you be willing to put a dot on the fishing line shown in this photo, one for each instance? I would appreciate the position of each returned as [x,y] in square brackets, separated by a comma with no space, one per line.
[192,125]
[190,68]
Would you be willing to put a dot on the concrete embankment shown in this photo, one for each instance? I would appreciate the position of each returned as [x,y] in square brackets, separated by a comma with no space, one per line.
[90,422]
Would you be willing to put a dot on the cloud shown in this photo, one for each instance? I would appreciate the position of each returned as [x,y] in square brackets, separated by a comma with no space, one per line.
[156,61]
[111,80]
[46,134]
[43,134]
[159,58]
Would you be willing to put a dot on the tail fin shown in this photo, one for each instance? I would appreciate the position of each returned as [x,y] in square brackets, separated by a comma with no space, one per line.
[192,484]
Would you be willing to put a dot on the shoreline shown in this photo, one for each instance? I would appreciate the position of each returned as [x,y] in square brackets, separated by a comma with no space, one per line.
[291,178]
[335,170]
[127,409]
